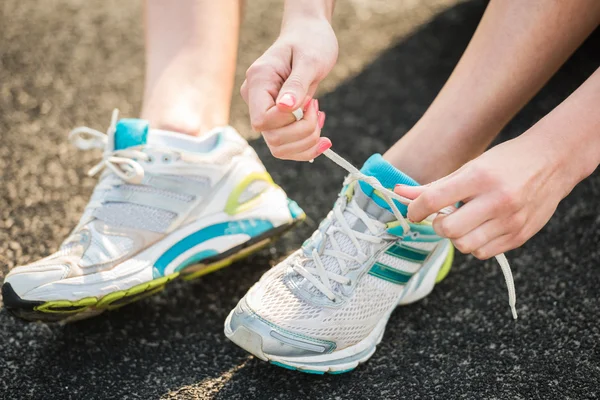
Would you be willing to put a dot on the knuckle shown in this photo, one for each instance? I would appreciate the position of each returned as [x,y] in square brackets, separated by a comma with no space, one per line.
[258,68]
[448,229]
[276,152]
[509,199]
[519,238]
[517,220]
[314,138]
[463,246]
[429,200]
[296,82]
[258,123]
[483,175]
[273,139]
[307,58]
[481,254]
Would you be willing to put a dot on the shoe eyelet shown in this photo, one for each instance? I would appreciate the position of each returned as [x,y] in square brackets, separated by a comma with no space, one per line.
[150,159]
[167,159]
[414,235]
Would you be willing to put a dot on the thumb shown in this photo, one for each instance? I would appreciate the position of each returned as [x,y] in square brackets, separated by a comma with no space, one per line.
[296,87]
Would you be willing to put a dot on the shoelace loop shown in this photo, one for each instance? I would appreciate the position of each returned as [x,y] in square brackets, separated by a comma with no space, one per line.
[323,282]
[122,162]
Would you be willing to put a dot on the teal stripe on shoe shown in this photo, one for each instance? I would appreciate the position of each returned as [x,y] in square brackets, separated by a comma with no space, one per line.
[389,274]
[406,253]
[250,227]
[196,258]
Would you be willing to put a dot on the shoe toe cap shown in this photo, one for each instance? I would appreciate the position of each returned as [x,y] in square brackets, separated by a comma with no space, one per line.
[26,278]
[264,339]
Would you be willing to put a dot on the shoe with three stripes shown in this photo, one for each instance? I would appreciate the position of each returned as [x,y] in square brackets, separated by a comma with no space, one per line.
[167,205]
[325,308]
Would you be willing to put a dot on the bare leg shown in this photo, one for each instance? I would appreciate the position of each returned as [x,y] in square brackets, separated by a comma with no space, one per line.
[517,47]
[191,48]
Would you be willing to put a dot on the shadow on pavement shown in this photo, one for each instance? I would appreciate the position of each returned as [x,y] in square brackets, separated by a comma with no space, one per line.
[458,343]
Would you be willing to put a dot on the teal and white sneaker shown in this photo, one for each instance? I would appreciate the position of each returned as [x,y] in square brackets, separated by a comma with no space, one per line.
[167,205]
[325,308]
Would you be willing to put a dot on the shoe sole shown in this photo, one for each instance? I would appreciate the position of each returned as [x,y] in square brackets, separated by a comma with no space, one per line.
[68,311]
[348,359]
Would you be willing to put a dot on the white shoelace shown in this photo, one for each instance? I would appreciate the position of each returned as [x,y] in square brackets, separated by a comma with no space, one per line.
[122,162]
[321,278]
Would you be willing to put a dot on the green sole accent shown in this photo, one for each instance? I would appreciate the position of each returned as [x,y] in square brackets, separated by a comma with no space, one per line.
[443,272]
[110,301]
[309,371]
[65,310]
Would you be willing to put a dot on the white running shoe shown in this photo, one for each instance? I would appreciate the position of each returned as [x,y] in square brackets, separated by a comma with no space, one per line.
[166,205]
[325,308]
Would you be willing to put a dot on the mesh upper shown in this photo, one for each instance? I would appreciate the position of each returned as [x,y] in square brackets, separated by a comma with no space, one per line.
[351,322]
[135,216]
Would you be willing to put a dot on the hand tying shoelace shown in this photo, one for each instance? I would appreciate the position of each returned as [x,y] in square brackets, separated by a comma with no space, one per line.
[389,196]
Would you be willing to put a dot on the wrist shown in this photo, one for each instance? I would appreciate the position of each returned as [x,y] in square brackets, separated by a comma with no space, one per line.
[567,157]
[307,9]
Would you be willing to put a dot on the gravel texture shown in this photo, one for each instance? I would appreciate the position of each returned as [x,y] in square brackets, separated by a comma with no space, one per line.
[65,63]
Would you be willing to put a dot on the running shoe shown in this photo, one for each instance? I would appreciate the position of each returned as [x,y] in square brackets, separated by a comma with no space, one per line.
[325,307]
[167,205]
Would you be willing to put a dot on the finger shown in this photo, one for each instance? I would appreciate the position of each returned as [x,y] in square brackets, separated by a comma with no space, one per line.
[260,101]
[313,152]
[481,236]
[500,244]
[295,131]
[290,151]
[276,118]
[297,86]
[465,219]
[410,192]
[440,194]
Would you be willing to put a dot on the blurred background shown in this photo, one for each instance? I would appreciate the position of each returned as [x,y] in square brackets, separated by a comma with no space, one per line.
[65,63]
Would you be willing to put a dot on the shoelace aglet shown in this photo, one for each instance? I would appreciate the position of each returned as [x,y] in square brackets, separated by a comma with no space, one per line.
[94,170]
[514,311]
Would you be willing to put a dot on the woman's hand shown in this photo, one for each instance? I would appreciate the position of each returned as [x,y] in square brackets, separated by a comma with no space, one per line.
[285,78]
[509,193]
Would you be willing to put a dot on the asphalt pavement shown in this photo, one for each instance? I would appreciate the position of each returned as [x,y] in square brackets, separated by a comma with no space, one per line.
[65,63]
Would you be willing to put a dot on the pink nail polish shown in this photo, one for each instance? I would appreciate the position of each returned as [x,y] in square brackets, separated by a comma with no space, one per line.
[321,119]
[287,100]
[324,144]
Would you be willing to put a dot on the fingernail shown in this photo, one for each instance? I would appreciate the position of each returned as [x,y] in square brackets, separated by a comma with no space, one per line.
[287,100]
[324,144]
[316,103]
[400,185]
[321,119]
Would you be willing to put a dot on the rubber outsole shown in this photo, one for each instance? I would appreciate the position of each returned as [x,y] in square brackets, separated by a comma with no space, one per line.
[66,311]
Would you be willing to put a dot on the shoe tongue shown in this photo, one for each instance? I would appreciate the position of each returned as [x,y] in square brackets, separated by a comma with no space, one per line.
[130,132]
[373,209]
[388,175]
